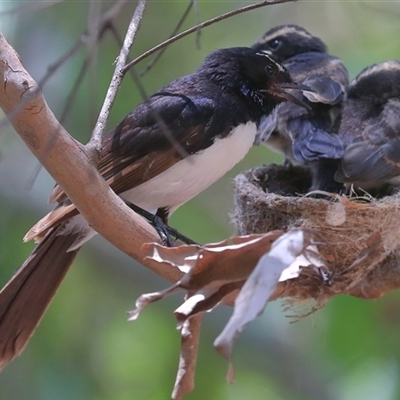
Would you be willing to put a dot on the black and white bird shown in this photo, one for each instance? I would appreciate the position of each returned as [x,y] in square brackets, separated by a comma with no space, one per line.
[307,136]
[212,116]
[371,117]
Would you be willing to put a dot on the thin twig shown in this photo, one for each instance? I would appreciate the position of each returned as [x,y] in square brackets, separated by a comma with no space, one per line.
[197,14]
[151,64]
[92,50]
[94,145]
[104,22]
[74,90]
[200,26]
[97,31]
[93,34]
[161,123]
[51,69]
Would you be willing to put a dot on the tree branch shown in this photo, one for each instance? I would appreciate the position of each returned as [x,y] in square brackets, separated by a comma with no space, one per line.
[203,25]
[94,145]
[69,164]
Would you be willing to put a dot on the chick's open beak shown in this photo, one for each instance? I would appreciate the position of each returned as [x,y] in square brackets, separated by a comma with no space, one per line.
[290,97]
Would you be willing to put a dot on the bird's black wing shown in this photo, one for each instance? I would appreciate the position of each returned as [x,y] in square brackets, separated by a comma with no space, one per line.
[364,162]
[154,136]
[177,127]
[312,143]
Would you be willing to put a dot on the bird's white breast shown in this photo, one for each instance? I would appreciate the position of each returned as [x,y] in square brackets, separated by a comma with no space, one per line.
[192,175]
[182,181]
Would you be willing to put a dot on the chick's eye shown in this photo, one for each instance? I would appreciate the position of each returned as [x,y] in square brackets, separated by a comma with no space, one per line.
[270,70]
[274,43]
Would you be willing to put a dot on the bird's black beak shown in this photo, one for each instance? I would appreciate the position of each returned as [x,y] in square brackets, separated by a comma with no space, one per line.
[291,97]
[296,86]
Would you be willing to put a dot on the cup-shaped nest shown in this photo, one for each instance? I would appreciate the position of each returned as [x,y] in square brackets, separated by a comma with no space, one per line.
[357,237]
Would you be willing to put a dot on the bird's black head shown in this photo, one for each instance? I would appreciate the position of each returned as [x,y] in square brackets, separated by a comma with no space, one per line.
[286,41]
[377,83]
[252,74]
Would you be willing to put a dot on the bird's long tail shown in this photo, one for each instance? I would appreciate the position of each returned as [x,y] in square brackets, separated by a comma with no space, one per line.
[26,296]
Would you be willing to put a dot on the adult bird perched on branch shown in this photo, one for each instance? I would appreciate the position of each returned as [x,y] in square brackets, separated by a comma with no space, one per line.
[371,116]
[307,136]
[166,151]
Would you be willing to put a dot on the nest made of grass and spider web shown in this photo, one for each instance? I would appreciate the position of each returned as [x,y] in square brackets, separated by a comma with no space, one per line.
[360,236]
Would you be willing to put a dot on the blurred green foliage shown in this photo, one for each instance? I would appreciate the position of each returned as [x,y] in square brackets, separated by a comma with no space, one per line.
[84,347]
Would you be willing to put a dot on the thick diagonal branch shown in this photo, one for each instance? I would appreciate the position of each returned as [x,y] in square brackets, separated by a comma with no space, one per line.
[67,161]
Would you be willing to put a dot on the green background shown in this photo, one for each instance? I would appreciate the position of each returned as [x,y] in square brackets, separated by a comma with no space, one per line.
[84,347]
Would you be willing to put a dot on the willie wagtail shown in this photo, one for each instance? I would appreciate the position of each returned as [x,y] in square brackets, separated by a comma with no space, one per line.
[213,116]
[371,117]
[308,136]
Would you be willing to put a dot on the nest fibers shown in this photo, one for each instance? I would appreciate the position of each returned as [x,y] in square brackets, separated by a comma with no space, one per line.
[358,238]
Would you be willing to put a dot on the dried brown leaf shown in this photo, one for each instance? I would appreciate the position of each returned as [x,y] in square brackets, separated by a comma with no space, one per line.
[213,271]
[190,337]
[225,261]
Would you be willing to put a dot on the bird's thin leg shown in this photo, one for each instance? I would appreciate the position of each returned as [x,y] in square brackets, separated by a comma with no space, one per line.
[164,231]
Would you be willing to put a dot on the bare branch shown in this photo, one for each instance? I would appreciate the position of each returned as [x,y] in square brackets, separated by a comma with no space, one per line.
[94,145]
[203,25]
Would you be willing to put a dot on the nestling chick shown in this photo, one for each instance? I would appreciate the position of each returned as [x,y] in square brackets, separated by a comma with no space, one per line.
[307,136]
[371,117]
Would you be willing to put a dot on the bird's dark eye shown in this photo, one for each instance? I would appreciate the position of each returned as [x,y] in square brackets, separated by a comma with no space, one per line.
[274,44]
[270,70]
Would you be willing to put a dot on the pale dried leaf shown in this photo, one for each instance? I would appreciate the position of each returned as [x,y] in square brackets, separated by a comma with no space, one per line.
[187,308]
[258,288]
[181,257]
[145,299]
[309,257]
[207,299]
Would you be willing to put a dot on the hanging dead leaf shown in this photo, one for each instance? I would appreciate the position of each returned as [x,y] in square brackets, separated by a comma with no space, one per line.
[259,287]
[190,337]
[245,271]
